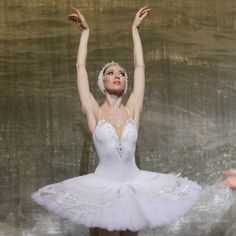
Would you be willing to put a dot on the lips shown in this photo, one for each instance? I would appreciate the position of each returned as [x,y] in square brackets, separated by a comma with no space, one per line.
[117,82]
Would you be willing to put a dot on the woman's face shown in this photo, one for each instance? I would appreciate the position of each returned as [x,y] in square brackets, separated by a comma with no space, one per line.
[115,80]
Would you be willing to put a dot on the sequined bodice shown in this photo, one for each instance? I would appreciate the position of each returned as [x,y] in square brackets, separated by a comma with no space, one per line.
[116,155]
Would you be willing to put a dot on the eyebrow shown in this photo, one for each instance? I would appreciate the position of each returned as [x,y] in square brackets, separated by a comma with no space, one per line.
[111,70]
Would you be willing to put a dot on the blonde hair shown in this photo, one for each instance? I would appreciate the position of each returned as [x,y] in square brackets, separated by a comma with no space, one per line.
[101,76]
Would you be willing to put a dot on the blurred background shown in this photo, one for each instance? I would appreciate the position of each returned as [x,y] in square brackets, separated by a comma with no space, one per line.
[188,125]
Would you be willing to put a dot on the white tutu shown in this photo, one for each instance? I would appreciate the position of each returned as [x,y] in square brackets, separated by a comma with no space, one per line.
[148,201]
[119,196]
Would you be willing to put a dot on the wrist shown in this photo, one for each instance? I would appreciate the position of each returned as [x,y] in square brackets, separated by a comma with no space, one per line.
[83,25]
[85,30]
[134,27]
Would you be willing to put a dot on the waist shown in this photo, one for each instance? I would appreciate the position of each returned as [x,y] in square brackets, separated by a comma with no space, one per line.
[119,173]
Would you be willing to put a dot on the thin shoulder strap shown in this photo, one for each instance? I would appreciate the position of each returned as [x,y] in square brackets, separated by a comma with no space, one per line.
[129,113]
[99,113]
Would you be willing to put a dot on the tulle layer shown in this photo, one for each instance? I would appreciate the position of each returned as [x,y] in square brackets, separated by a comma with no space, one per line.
[209,210]
[148,201]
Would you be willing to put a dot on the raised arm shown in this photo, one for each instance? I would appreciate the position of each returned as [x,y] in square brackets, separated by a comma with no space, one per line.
[88,103]
[135,102]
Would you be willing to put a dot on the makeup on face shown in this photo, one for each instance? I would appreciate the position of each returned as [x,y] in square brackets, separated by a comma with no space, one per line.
[112,74]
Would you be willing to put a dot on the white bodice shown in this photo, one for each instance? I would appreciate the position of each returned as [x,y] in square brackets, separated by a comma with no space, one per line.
[116,155]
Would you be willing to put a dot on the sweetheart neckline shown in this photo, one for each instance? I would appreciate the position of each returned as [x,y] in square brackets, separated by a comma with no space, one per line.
[116,134]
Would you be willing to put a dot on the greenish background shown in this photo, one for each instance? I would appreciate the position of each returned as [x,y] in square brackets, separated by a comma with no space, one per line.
[188,125]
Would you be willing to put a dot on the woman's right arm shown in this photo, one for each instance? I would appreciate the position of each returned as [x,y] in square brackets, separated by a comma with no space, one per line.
[88,102]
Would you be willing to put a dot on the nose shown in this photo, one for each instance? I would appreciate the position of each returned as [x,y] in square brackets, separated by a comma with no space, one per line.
[117,75]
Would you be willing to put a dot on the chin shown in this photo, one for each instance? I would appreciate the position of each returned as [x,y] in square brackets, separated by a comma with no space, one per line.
[118,93]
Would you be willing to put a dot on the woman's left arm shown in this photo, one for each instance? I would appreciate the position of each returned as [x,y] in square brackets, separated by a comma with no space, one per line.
[136,98]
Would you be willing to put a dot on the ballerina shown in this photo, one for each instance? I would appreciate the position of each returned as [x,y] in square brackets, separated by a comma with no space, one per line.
[118,198]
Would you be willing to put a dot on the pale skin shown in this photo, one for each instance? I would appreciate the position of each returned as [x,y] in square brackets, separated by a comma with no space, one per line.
[114,81]
[230,178]
[113,109]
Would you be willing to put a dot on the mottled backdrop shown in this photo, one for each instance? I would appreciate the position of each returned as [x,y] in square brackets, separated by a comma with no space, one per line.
[189,119]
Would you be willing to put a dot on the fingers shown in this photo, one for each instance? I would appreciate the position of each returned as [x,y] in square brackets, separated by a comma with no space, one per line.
[143,16]
[73,17]
[75,10]
[230,182]
[143,10]
[140,15]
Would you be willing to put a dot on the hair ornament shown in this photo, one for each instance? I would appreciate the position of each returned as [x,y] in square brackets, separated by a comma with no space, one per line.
[101,76]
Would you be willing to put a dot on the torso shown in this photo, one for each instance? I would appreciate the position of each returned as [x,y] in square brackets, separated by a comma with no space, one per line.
[116,120]
[116,152]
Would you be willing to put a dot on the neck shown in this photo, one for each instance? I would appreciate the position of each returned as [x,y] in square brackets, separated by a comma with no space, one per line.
[113,101]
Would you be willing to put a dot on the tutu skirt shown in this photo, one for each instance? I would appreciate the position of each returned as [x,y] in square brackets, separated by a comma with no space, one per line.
[148,201]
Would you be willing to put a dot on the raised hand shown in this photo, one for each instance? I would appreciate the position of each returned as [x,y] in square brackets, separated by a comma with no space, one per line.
[140,15]
[230,180]
[78,18]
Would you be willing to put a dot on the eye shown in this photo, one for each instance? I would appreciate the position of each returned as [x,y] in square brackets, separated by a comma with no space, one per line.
[110,73]
[122,74]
